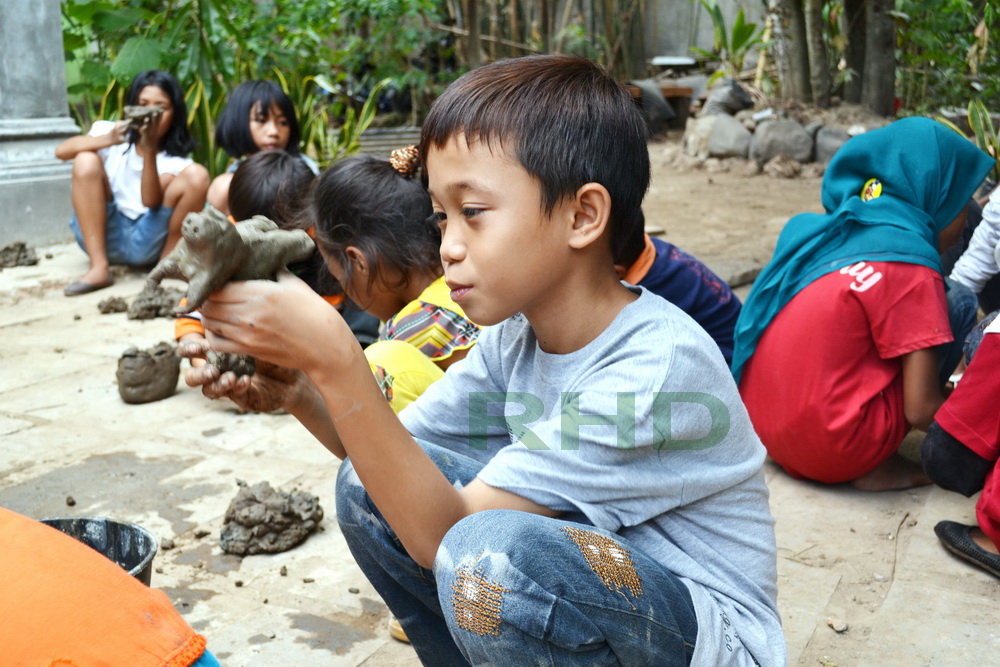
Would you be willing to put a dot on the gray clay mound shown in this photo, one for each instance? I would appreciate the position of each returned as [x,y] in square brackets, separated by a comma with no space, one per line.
[262,520]
[149,375]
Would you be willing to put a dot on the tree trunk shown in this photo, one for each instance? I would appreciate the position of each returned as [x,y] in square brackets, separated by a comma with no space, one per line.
[878,84]
[474,45]
[789,49]
[819,68]
[853,27]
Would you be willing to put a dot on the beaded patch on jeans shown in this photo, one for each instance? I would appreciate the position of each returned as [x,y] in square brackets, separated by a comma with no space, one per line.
[610,560]
[477,601]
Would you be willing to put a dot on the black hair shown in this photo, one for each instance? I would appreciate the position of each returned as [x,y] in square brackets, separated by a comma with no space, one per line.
[363,201]
[564,119]
[232,129]
[270,183]
[177,141]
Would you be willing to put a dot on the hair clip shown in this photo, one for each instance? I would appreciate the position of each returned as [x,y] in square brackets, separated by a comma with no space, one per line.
[405,160]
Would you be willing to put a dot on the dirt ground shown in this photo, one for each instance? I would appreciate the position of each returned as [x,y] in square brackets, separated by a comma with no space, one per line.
[869,563]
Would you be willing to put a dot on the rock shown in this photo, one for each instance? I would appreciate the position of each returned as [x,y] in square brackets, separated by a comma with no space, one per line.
[812,128]
[781,137]
[813,170]
[837,624]
[714,165]
[726,98]
[782,166]
[828,142]
[728,138]
[262,520]
[148,375]
[697,133]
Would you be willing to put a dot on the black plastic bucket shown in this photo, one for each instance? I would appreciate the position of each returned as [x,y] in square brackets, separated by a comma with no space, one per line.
[131,546]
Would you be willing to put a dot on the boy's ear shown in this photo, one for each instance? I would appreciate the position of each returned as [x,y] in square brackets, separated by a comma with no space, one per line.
[590,214]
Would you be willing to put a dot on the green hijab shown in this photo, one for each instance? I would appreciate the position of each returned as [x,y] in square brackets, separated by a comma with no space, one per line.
[887,195]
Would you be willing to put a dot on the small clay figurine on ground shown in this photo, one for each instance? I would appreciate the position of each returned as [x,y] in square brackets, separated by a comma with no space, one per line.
[149,375]
[213,251]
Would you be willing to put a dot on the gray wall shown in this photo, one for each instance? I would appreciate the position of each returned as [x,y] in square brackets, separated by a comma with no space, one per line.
[34,118]
[673,26]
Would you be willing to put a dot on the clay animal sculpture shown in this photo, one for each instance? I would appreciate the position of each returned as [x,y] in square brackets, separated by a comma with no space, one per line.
[213,251]
[138,116]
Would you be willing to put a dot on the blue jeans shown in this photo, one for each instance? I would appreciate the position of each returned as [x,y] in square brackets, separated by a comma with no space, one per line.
[131,242]
[962,309]
[513,588]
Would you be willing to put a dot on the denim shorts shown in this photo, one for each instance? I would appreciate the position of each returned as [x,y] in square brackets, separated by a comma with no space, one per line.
[136,242]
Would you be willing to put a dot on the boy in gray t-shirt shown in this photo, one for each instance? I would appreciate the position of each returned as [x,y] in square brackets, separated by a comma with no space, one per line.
[585,487]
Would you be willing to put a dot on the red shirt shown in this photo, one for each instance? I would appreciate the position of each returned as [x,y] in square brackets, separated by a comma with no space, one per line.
[972,416]
[824,387]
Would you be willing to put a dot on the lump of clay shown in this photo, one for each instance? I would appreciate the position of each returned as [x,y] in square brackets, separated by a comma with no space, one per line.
[213,251]
[138,116]
[241,364]
[156,302]
[114,304]
[262,520]
[18,254]
[148,375]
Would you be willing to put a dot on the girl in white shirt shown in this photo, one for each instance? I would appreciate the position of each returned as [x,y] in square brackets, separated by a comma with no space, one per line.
[126,209]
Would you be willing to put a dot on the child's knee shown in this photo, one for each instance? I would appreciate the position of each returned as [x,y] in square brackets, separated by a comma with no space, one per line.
[195,178]
[87,164]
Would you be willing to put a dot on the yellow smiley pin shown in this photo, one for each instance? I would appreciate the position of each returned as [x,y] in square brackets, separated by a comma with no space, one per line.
[872,190]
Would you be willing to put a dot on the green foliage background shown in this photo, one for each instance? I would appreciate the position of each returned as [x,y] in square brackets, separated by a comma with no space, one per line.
[323,52]
[937,44]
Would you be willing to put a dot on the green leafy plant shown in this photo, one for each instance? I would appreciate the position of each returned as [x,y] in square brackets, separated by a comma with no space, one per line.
[985,134]
[729,46]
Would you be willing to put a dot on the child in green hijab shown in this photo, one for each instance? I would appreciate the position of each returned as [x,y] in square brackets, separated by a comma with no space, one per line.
[847,337]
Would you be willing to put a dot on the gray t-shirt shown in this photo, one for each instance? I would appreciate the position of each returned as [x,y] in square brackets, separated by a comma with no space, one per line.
[685,486]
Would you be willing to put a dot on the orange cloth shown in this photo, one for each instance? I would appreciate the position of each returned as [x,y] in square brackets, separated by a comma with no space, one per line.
[65,604]
[640,267]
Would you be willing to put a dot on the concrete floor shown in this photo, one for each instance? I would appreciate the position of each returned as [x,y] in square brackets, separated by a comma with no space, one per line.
[869,560]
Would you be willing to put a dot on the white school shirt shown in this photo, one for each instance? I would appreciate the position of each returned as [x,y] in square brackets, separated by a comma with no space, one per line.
[979,262]
[123,166]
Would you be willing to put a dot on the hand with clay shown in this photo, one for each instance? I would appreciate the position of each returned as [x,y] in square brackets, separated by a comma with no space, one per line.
[270,388]
[150,134]
[283,322]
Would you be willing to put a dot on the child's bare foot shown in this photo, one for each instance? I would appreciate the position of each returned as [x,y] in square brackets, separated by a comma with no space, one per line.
[895,473]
